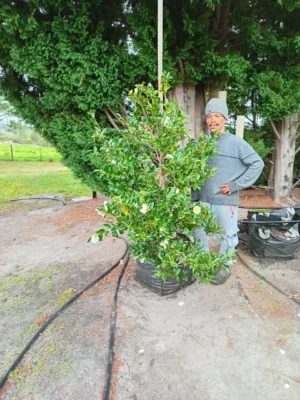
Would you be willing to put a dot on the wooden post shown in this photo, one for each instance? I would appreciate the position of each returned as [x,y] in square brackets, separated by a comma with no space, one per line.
[12,152]
[94,195]
[239,129]
[159,44]
[40,153]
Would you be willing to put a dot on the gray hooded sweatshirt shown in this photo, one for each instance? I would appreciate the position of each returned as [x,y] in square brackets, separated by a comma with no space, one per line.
[237,165]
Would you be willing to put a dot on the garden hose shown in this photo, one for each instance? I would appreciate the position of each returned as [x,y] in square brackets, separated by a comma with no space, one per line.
[245,221]
[40,198]
[124,260]
[112,330]
[268,208]
[292,221]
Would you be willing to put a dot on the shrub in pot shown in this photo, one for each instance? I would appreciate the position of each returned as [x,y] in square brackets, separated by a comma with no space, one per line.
[150,179]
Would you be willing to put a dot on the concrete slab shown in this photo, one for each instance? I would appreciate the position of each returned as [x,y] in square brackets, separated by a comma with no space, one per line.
[82,198]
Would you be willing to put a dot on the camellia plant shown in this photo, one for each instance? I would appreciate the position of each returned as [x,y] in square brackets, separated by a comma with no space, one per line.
[150,179]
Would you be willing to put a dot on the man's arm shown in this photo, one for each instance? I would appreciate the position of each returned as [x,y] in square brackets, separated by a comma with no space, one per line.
[255,165]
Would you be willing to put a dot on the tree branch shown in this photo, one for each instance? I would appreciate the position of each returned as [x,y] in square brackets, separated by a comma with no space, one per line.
[181,67]
[295,184]
[161,172]
[112,113]
[297,151]
[249,119]
[217,17]
[224,25]
[124,112]
[111,120]
[297,128]
[275,130]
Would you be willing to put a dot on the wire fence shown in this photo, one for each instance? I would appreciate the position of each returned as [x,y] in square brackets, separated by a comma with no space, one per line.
[18,152]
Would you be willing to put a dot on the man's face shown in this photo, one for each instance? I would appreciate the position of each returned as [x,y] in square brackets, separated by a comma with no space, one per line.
[216,122]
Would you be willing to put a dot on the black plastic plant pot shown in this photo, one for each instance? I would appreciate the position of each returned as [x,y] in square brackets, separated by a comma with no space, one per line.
[261,217]
[272,247]
[144,275]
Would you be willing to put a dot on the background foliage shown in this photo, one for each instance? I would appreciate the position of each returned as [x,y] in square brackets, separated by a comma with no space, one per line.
[64,63]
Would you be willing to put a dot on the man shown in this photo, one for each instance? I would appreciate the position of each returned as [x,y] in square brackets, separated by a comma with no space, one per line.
[238,167]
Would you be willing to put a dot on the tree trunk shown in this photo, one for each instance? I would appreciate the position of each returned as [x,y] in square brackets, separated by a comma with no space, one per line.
[200,103]
[271,173]
[191,99]
[213,91]
[285,147]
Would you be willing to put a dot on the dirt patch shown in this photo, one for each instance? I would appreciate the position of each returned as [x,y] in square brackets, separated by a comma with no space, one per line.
[264,301]
[41,320]
[203,342]
[261,198]
[72,349]
[77,213]
[42,267]
[16,208]
[118,364]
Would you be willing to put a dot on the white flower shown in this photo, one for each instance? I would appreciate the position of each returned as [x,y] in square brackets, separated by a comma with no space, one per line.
[105,205]
[177,191]
[164,243]
[94,239]
[169,157]
[144,209]
[167,121]
[196,210]
[113,162]
[99,212]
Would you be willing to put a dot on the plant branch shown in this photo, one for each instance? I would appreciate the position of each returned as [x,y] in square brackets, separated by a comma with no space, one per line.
[111,120]
[124,112]
[249,119]
[297,150]
[181,67]
[112,113]
[217,17]
[161,172]
[275,130]
[295,184]
[224,25]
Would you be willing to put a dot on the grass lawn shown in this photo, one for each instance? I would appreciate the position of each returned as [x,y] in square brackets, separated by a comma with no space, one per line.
[28,153]
[21,179]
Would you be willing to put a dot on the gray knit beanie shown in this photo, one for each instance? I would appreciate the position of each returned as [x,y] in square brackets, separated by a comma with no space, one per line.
[216,106]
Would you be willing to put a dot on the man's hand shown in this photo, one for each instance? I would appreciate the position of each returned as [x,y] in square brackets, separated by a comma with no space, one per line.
[225,189]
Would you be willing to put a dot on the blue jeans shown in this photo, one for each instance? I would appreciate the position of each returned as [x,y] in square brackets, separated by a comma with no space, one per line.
[226,216]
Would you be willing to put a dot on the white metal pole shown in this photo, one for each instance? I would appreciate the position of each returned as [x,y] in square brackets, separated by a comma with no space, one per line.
[160,43]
